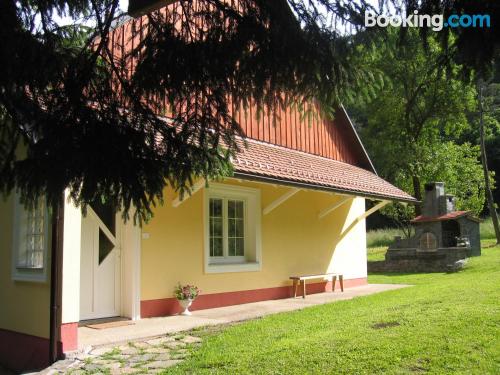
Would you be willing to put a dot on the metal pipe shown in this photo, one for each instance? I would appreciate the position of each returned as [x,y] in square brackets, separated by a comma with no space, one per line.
[56,280]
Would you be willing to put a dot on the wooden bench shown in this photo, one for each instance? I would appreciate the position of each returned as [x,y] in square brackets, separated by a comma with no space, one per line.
[327,276]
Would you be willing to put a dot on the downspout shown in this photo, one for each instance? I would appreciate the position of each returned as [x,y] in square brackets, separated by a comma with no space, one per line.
[56,280]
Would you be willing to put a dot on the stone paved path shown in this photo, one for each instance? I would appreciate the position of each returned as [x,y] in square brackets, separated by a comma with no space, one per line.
[139,357]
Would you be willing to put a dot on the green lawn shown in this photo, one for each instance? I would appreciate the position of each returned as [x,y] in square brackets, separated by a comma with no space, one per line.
[376,253]
[445,323]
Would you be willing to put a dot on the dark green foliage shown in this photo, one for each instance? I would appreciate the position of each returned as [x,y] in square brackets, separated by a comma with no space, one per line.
[412,129]
[473,48]
[71,117]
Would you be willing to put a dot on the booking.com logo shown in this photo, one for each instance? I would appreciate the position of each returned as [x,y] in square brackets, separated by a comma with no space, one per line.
[436,21]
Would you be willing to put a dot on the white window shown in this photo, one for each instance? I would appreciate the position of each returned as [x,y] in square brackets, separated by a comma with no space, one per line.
[227,228]
[232,228]
[30,241]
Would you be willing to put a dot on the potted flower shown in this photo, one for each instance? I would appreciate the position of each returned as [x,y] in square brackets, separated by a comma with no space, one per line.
[185,294]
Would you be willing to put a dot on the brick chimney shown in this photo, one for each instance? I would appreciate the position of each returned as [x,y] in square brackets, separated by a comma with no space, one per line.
[433,193]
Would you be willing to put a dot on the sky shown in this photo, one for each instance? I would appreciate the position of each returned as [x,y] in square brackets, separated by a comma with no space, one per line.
[68,21]
[124,5]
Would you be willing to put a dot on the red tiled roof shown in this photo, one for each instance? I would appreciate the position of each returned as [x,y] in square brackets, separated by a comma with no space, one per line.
[448,216]
[266,161]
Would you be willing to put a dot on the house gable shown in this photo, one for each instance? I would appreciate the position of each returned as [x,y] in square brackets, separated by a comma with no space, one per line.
[314,134]
[303,130]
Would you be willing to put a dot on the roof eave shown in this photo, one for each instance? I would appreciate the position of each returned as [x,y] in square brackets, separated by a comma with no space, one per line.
[312,186]
[467,214]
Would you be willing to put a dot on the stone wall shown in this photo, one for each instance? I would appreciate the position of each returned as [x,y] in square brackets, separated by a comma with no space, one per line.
[412,261]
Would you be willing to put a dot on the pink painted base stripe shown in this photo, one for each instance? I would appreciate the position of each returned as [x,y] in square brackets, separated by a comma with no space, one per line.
[69,337]
[170,306]
[22,352]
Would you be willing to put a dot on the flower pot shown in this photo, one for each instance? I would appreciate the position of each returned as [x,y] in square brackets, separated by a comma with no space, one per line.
[185,304]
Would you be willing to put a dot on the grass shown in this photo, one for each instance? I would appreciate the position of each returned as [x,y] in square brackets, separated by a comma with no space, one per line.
[376,253]
[445,323]
[382,237]
[487,231]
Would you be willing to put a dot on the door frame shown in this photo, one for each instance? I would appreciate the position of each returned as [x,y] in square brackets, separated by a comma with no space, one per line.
[131,236]
[130,264]
[72,245]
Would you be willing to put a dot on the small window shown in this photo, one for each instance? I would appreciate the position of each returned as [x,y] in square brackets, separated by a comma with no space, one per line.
[30,241]
[216,227]
[232,229]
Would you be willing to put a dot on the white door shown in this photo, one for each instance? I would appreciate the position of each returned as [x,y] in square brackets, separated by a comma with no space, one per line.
[100,273]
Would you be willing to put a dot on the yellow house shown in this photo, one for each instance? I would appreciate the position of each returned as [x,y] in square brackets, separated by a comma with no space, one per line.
[291,208]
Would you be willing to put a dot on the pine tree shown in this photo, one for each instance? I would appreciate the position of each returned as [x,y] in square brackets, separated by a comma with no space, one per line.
[72,116]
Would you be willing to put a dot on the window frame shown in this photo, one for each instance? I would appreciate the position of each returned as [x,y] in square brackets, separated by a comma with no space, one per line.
[251,260]
[19,273]
[226,258]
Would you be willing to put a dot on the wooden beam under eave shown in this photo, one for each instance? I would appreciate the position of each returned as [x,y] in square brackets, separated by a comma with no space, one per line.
[375,208]
[334,206]
[196,186]
[280,200]
[365,214]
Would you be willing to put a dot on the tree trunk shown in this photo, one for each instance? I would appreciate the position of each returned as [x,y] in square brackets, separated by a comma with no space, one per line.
[484,162]
[417,192]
